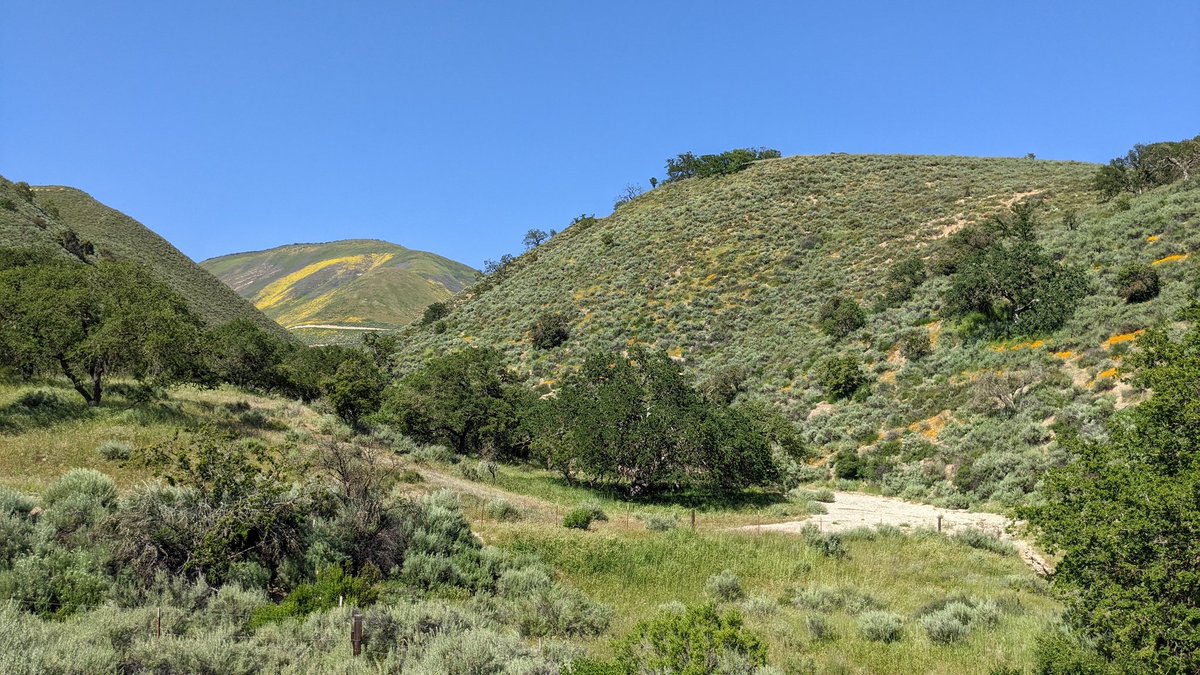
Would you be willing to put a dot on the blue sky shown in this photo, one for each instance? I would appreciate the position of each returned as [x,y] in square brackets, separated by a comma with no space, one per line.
[456,126]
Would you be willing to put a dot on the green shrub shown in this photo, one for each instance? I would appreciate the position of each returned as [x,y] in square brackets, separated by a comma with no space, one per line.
[760,606]
[117,451]
[946,626]
[695,641]
[820,628]
[819,495]
[829,599]
[433,454]
[56,582]
[550,330]
[501,509]
[578,519]
[724,587]
[841,377]
[1137,282]
[78,500]
[332,586]
[828,544]
[984,541]
[915,344]
[434,312]
[658,522]
[594,507]
[840,316]
[880,626]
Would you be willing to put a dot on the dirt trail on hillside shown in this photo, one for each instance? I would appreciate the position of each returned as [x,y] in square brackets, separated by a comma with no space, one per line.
[333,326]
[853,510]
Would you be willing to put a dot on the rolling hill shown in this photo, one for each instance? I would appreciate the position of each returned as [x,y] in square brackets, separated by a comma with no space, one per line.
[727,274]
[74,225]
[358,283]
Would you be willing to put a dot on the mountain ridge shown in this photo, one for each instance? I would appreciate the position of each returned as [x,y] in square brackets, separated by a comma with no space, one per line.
[363,283]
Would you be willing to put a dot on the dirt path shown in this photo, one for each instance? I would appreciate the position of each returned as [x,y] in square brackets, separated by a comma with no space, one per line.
[848,511]
[853,510]
[332,326]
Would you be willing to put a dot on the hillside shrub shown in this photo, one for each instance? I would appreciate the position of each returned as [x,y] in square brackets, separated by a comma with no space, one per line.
[840,316]
[550,330]
[434,312]
[820,628]
[578,519]
[658,522]
[984,541]
[841,377]
[1007,278]
[1137,283]
[724,587]
[699,640]
[915,344]
[501,509]
[332,587]
[945,626]
[880,626]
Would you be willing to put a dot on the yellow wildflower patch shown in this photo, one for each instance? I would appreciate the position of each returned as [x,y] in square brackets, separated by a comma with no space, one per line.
[1170,259]
[1064,355]
[1151,239]
[279,290]
[1118,339]
[676,353]
[1111,372]
[930,428]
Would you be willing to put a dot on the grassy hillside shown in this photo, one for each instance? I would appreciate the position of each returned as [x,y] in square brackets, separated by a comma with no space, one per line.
[730,272]
[362,283]
[72,224]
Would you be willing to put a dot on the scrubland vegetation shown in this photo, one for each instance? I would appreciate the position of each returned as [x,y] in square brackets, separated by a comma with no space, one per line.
[562,469]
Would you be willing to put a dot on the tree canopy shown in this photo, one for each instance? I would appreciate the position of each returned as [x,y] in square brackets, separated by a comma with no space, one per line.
[1125,515]
[94,320]
[1003,275]
[635,421]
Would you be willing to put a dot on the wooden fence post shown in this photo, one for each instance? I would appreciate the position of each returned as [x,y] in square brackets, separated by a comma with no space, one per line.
[356,632]
[939,523]
[693,520]
[158,623]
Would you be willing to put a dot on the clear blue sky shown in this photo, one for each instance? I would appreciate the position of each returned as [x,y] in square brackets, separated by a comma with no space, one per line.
[456,126]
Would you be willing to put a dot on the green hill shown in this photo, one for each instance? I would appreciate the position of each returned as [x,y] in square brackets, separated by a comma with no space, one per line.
[73,225]
[361,283]
[727,274]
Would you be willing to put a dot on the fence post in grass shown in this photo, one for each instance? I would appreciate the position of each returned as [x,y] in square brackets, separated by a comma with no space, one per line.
[939,523]
[693,520]
[158,623]
[356,632]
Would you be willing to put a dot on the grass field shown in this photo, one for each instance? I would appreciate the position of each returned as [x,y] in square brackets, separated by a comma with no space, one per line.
[803,599]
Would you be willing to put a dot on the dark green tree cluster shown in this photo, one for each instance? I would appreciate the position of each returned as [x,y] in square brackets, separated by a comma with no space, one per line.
[1003,280]
[1138,282]
[688,165]
[468,400]
[634,421]
[903,278]
[840,316]
[1149,166]
[1125,515]
[93,321]
[550,330]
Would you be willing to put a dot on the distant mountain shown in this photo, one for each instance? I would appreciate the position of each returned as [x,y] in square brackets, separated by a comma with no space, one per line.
[315,290]
[73,225]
